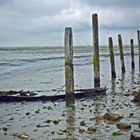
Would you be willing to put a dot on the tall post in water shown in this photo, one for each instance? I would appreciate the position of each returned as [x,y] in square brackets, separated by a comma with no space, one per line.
[121,53]
[138,34]
[69,76]
[132,53]
[112,62]
[96,60]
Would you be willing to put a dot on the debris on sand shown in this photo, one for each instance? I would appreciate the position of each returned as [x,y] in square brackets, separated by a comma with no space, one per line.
[124,126]
[23,136]
[116,133]
[112,116]
[135,136]
[136,98]
[91,130]
[5,129]
[17,93]
[81,130]
[82,123]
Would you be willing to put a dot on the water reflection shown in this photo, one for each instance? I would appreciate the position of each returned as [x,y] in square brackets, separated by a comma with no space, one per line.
[98,109]
[122,83]
[70,122]
[132,79]
[113,87]
[139,78]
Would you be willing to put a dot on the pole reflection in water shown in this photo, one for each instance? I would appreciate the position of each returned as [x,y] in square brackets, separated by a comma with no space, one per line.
[70,122]
[122,83]
[132,79]
[139,79]
[98,109]
[113,87]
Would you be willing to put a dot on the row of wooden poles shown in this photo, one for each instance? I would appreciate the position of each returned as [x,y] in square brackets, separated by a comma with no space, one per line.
[68,45]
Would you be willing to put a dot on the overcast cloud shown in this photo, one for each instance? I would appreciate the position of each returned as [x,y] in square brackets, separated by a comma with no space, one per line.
[42,22]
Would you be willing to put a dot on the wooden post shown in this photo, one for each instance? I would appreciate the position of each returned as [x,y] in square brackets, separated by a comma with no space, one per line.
[112,62]
[121,53]
[138,33]
[132,53]
[69,76]
[96,60]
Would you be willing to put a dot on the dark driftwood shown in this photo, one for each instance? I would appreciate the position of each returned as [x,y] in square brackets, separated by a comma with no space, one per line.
[82,93]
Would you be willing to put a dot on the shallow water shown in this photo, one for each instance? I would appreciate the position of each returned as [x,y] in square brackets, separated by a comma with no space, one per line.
[42,70]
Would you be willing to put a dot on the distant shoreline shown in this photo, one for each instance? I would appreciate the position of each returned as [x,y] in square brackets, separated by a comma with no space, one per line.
[51,47]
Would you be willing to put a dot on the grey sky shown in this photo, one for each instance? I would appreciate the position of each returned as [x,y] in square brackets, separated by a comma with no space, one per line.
[42,22]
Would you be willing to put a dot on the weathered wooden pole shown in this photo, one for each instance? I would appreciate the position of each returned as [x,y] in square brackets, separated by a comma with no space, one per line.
[69,76]
[112,62]
[96,60]
[132,53]
[138,34]
[121,53]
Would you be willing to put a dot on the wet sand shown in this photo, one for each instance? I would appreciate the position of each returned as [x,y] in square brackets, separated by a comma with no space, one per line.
[37,119]
[53,120]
